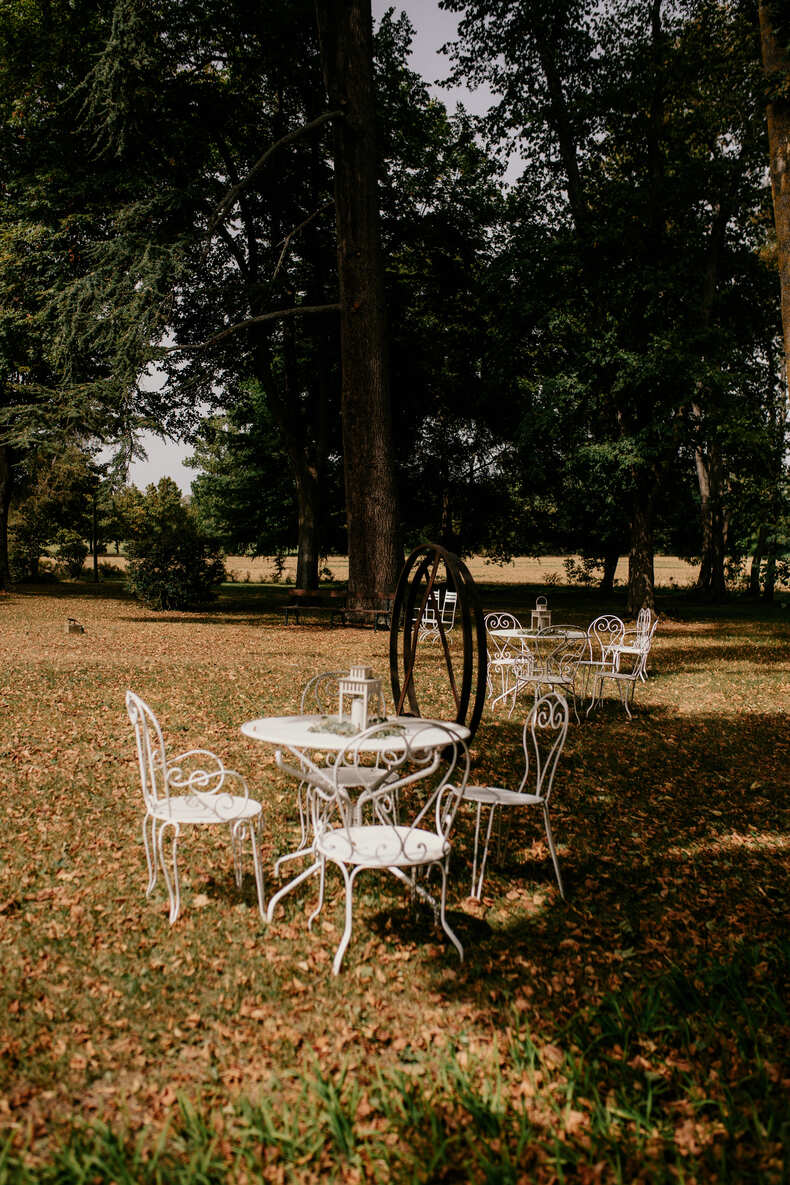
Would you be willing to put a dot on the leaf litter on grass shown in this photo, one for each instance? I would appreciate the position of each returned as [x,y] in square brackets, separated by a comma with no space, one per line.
[636,1031]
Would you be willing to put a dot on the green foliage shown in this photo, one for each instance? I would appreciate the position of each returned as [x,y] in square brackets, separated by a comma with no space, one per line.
[171,565]
[72,551]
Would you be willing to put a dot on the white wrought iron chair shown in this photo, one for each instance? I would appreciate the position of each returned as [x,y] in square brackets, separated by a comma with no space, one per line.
[503,653]
[627,669]
[603,634]
[545,730]
[553,664]
[633,640]
[192,788]
[399,823]
[319,696]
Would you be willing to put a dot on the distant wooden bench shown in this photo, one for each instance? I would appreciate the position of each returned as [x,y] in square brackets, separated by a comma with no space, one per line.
[332,604]
[313,603]
[379,617]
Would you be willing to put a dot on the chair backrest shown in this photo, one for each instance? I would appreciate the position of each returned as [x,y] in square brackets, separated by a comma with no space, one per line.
[433,607]
[448,609]
[564,659]
[545,730]
[499,647]
[419,788]
[320,694]
[150,750]
[643,622]
[562,631]
[603,633]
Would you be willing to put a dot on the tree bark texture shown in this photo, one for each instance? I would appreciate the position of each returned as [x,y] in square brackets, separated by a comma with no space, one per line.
[374,550]
[776,64]
[757,559]
[5,503]
[711,579]
[641,577]
[610,562]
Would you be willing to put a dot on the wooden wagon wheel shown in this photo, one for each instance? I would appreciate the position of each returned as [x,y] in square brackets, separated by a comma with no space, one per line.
[415,589]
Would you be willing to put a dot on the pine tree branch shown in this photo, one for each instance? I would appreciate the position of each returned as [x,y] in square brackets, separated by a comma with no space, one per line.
[292,233]
[229,200]
[276,314]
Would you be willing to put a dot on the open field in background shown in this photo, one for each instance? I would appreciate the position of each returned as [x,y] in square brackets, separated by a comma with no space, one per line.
[547,570]
[636,1032]
[671,572]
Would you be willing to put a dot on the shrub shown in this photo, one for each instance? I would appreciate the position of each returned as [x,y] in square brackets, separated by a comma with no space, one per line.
[72,552]
[171,565]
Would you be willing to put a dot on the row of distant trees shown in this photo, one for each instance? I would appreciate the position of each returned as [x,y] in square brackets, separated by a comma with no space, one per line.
[590,361]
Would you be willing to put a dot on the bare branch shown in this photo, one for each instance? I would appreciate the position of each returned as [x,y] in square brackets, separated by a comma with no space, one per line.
[299,310]
[227,203]
[291,234]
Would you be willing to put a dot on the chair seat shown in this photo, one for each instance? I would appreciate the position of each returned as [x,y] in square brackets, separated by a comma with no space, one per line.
[382,846]
[546,678]
[499,796]
[188,809]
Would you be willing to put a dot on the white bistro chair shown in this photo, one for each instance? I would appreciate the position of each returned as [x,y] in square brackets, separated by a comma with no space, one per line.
[627,669]
[552,665]
[193,788]
[633,642]
[545,730]
[439,609]
[503,653]
[399,822]
[604,634]
[319,696]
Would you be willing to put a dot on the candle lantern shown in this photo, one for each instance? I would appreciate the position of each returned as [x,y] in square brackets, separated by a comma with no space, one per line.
[360,697]
[541,615]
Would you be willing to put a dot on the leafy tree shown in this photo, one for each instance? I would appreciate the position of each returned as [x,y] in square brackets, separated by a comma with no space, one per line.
[635,224]
[171,565]
[775,46]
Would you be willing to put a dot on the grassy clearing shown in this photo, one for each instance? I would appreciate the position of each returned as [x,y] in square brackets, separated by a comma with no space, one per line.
[637,1032]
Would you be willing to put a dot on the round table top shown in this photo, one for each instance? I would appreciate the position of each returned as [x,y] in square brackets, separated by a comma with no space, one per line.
[300,732]
[571,631]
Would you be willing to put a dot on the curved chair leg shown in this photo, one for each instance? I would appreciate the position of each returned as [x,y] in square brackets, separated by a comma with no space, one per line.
[341,950]
[442,916]
[321,885]
[477,895]
[237,830]
[550,838]
[173,887]
[150,852]
[256,864]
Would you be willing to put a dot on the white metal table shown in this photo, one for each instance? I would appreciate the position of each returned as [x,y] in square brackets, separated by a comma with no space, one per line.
[301,735]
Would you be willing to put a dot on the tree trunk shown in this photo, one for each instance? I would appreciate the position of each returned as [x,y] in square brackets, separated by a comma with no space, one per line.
[757,559]
[776,64]
[6,484]
[308,495]
[641,579]
[374,551]
[610,562]
[711,579]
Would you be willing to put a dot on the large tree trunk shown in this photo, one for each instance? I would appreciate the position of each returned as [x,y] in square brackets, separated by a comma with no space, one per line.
[641,577]
[757,559]
[711,579]
[776,63]
[374,551]
[610,562]
[6,483]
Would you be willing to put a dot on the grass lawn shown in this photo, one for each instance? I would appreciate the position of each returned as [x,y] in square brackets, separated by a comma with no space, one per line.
[636,1032]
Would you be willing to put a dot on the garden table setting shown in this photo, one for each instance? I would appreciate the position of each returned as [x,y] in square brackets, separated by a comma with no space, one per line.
[353,768]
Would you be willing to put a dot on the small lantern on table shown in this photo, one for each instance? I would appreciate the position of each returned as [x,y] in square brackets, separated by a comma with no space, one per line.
[360,697]
[541,615]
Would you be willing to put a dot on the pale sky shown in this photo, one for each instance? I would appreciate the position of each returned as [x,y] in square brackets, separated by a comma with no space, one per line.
[433,27]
